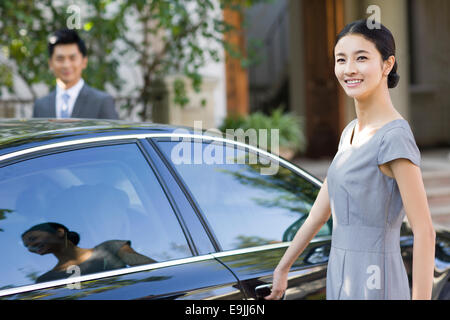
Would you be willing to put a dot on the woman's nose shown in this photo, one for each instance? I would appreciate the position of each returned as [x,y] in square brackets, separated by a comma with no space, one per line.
[350,68]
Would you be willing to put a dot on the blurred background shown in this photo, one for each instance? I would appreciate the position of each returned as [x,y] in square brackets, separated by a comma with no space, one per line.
[250,64]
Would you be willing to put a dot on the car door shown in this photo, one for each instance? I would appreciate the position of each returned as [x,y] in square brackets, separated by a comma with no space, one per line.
[108,201]
[253,204]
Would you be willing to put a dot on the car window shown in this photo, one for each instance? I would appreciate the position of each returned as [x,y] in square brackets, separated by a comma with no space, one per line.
[83,211]
[243,204]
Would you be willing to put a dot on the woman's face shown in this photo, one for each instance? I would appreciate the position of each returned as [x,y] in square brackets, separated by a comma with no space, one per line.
[359,67]
[42,242]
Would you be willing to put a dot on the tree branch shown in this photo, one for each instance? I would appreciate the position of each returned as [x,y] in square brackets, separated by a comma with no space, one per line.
[169,44]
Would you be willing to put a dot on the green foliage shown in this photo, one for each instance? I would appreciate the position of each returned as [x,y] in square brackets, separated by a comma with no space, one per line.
[25,28]
[289,126]
[188,33]
[3,213]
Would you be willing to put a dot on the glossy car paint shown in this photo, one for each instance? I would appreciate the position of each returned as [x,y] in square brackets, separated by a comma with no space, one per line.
[209,274]
[205,278]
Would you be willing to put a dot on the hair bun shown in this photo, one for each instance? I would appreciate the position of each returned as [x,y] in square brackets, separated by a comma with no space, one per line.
[393,79]
[73,237]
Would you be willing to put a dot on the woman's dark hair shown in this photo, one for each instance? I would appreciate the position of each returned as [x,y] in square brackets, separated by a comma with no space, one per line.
[52,227]
[381,37]
[66,36]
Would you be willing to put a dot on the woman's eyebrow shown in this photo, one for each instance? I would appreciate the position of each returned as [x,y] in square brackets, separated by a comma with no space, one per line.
[356,52]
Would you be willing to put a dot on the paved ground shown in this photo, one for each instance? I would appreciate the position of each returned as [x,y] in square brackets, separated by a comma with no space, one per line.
[435,167]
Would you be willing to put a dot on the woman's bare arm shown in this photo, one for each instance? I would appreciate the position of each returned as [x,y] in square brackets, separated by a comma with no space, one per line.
[318,216]
[412,190]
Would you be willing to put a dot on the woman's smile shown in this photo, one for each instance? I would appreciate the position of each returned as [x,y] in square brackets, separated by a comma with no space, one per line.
[353,83]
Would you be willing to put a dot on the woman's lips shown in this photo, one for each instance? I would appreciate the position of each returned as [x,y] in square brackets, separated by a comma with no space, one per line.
[352,83]
[36,249]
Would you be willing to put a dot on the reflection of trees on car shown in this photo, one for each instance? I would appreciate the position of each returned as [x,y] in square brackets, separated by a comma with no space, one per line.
[3,213]
[89,287]
[287,191]
[252,241]
[16,132]
[290,191]
[297,196]
[290,232]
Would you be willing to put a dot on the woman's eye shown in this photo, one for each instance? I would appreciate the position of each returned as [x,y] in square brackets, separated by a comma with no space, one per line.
[340,60]
[362,57]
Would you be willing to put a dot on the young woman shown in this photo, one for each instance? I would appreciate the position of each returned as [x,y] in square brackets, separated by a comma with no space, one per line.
[375,172]
[55,238]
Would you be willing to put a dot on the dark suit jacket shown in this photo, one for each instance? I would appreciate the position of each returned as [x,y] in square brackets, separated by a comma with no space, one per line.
[91,103]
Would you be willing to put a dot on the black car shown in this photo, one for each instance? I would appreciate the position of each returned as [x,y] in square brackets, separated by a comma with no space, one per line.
[114,210]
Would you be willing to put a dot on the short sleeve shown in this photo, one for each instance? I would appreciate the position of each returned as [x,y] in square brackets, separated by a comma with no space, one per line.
[398,143]
[113,246]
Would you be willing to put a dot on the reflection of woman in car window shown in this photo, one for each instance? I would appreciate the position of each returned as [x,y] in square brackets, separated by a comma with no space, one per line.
[55,238]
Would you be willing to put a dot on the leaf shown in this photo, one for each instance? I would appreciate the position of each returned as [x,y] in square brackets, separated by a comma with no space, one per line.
[88,26]
[3,215]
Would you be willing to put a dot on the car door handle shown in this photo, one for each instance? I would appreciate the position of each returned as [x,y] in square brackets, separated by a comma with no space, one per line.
[264,290]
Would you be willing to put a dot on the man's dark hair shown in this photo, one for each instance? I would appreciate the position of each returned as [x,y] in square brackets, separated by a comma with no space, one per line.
[66,36]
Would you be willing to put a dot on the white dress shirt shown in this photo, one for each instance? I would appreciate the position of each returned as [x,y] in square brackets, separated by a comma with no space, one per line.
[73,94]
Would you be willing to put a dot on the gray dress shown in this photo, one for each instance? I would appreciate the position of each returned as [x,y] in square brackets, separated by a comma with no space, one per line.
[104,257]
[365,260]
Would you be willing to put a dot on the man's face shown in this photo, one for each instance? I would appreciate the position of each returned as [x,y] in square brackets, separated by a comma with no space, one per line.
[67,63]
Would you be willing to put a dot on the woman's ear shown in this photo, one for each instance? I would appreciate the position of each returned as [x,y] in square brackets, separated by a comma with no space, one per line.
[388,65]
[60,233]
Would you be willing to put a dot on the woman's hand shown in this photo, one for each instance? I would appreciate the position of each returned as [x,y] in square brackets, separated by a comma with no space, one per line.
[279,285]
[318,216]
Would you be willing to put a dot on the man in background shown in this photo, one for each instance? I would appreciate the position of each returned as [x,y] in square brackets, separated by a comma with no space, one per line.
[72,98]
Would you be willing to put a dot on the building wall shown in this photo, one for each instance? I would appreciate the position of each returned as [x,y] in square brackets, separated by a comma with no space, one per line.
[269,25]
[430,71]
[297,59]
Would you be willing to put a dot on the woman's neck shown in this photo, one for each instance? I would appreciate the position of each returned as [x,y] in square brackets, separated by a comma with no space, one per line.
[375,109]
[71,254]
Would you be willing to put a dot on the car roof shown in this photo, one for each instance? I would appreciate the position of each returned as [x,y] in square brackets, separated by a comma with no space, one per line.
[17,134]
